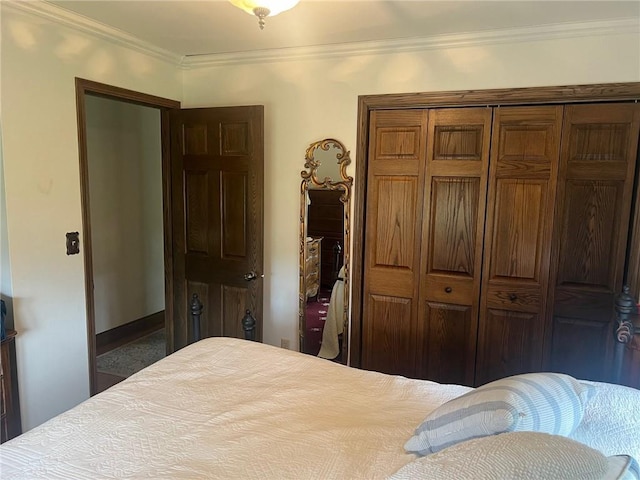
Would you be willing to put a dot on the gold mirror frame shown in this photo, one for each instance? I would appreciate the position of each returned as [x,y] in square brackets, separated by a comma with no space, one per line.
[310,181]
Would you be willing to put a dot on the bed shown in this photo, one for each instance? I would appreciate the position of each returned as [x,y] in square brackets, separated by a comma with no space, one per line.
[231,408]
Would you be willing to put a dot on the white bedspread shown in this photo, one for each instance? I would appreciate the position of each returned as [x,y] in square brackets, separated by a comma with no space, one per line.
[227,408]
[611,421]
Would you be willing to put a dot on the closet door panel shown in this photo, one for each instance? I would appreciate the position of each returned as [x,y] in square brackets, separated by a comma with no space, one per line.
[391,333]
[511,344]
[450,352]
[392,250]
[592,222]
[507,296]
[518,229]
[395,218]
[590,233]
[452,238]
[392,243]
[524,163]
[453,220]
[594,335]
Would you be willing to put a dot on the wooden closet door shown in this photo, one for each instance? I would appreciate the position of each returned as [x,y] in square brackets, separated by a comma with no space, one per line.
[452,237]
[523,173]
[392,241]
[599,149]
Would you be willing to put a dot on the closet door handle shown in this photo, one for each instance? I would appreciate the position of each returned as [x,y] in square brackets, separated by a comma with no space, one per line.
[448,289]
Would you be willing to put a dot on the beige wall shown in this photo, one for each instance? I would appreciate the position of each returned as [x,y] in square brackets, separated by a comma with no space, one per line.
[305,100]
[125,178]
[295,92]
[40,148]
[6,292]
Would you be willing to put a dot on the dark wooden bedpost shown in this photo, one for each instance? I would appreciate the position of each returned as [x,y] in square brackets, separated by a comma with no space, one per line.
[625,306]
[196,313]
[249,326]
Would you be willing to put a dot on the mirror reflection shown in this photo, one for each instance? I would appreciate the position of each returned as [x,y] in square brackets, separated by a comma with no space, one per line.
[324,246]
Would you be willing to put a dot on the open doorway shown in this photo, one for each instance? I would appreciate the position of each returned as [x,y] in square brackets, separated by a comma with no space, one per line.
[123,164]
[212,162]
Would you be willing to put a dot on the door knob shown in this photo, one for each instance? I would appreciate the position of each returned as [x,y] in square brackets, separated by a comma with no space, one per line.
[250,276]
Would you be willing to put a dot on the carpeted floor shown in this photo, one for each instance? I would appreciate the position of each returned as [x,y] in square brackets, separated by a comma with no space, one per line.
[128,359]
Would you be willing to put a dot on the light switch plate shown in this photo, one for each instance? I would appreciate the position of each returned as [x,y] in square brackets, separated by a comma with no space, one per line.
[73,243]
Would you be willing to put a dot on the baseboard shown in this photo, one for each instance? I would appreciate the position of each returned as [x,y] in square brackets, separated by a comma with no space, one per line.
[128,332]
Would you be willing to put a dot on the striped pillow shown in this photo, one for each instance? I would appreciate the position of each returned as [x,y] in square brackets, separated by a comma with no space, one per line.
[539,402]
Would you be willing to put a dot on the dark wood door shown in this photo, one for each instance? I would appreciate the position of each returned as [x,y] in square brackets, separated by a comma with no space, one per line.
[452,237]
[217,171]
[392,241]
[599,151]
[525,154]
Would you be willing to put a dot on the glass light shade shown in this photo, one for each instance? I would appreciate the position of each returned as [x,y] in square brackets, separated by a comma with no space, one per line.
[274,6]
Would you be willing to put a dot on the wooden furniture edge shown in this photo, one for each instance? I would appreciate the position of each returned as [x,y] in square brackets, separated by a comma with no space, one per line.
[9,334]
[626,310]
[196,307]
[601,92]
[11,418]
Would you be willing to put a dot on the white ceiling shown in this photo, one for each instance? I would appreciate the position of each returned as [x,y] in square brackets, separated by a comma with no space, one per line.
[186,27]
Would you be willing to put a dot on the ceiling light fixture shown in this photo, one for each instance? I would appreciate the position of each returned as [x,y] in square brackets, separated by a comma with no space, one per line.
[264,8]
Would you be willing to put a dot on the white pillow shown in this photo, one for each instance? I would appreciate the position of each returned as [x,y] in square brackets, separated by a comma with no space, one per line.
[611,421]
[516,456]
[540,402]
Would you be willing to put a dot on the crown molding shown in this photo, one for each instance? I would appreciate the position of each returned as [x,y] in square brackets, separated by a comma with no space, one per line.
[115,36]
[91,27]
[513,35]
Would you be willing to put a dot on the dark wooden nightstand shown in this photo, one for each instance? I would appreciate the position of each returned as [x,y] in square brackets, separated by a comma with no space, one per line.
[10,422]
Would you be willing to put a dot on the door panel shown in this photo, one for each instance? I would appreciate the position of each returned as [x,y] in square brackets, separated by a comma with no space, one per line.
[454,210]
[217,217]
[524,164]
[392,243]
[457,166]
[592,221]
[233,299]
[518,228]
[590,234]
[592,344]
[390,330]
[234,197]
[449,350]
[510,344]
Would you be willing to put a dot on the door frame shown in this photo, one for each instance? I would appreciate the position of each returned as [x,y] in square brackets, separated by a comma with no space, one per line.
[607,92]
[88,87]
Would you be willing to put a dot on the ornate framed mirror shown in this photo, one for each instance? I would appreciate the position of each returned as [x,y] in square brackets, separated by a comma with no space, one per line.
[325,197]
